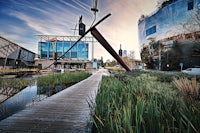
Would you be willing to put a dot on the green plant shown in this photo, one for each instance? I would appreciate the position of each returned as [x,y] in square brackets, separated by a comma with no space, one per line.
[64,80]
[143,104]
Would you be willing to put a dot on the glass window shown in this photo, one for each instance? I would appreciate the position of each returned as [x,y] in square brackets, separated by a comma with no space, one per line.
[50,47]
[79,51]
[59,54]
[44,46]
[189,69]
[44,49]
[50,50]
[67,55]
[67,45]
[190,5]
[151,30]
[82,50]
[59,47]
[73,54]
[74,49]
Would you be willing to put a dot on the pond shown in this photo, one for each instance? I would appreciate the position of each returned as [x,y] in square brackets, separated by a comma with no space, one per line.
[21,100]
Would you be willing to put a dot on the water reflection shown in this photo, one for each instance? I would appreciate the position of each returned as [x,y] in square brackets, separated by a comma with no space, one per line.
[50,90]
[26,97]
[19,101]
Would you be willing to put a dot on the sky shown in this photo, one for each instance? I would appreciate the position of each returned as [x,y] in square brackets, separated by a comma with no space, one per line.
[21,20]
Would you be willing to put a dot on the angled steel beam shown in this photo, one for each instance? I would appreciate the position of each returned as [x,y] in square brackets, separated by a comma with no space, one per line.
[102,41]
[107,46]
[77,41]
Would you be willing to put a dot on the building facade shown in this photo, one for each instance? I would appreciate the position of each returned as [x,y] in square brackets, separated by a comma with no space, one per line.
[48,48]
[13,56]
[51,47]
[172,34]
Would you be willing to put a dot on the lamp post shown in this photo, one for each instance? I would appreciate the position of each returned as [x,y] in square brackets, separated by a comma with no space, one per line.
[159,57]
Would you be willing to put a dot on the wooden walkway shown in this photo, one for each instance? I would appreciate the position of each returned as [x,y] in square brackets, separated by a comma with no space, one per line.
[64,112]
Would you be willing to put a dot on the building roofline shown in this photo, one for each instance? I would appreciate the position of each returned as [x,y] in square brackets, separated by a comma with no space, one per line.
[17,44]
[162,5]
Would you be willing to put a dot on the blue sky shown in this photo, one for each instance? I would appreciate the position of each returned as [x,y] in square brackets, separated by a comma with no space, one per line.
[20,20]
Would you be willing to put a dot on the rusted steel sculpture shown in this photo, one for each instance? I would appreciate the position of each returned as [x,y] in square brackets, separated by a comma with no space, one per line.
[102,41]
[107,46]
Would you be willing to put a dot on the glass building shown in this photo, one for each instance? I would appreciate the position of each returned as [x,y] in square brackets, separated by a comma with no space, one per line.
[175,17]
[79,51]
[172,34]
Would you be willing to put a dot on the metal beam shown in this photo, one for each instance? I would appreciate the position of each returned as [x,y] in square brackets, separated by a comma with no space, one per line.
[99,37]
[107,46]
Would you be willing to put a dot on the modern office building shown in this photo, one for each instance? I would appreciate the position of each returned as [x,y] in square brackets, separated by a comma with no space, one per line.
[48,49]
[172,34]
[51,47]
[14,56]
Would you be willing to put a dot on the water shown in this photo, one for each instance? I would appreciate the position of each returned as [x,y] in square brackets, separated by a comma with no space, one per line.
[20,101]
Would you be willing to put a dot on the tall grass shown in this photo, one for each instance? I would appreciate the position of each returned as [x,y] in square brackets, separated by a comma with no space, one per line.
[61,79]
[187,88]
[13,83]
[143,105]
[56,81]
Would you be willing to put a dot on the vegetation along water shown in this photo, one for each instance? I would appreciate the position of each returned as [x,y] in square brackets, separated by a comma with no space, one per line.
[147,102]
[15,96]
[52,84]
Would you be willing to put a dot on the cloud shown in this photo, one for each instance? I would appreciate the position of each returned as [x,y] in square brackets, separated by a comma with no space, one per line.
[121,27]
[53,25]
[81,4]
[30,44]
[59,17]
[12,37]
[70,5]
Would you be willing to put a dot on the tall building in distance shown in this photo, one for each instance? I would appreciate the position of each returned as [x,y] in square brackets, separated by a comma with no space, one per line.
[124,53]
[171,35]
[120,50]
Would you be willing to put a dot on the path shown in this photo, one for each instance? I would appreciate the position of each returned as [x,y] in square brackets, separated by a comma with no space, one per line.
[64,112]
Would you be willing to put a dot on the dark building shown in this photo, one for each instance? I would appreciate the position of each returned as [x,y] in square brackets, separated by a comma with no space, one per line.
[14,56]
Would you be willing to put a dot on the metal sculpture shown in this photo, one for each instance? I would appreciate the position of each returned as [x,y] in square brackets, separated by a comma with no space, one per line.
[101,40]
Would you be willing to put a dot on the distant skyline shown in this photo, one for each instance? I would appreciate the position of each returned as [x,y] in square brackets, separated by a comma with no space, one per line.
[20,20]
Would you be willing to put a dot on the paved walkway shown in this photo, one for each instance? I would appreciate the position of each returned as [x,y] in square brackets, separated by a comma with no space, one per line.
[64,112]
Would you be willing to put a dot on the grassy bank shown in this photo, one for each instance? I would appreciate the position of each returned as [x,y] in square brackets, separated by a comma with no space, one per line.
[147,103]
[53,83]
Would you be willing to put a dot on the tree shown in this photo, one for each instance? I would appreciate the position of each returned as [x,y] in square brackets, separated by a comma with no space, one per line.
[132,58]
[131,55]
[146,58]
[112,63]
[163,3]
[191,47]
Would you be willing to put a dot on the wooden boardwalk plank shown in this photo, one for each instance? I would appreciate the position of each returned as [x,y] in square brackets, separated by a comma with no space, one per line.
[66,111]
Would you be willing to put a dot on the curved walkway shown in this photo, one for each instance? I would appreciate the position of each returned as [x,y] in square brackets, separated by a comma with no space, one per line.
[64,112]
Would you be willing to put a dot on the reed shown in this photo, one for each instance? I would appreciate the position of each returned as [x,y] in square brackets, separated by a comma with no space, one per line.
[13,83]
[143,104]
[187,88]
[56,81]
